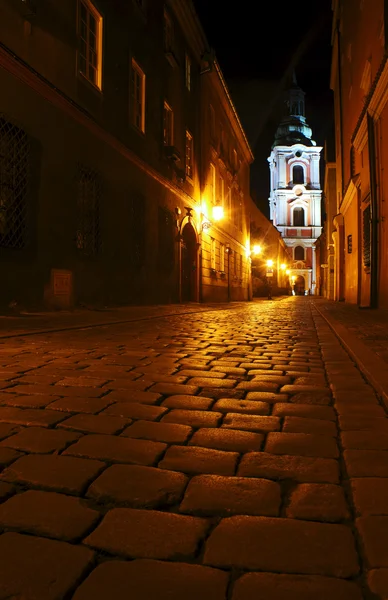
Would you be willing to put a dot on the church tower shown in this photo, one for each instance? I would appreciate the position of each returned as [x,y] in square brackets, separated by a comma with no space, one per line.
[295,191]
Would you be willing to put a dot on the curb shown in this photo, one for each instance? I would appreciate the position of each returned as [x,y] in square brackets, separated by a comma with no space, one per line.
[370,364]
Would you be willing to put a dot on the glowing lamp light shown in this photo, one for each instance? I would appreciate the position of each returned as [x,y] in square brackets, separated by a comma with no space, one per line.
[257,249]
[218,213]
[269,263]
[288,272]
[283,267]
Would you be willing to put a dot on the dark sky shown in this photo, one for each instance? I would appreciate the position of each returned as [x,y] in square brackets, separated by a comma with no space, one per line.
[257,51]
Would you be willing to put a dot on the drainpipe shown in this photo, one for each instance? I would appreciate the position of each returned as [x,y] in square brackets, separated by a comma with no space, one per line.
[374,267]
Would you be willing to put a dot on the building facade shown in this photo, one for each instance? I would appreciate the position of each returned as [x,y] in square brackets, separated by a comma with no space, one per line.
[295,191]
[359,80]
[106,190]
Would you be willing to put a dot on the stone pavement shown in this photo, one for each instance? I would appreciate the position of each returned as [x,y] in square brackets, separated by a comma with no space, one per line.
[230,454]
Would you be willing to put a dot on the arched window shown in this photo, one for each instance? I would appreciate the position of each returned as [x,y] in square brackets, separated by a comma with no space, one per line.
[298,217]
[298,174]
[299,252]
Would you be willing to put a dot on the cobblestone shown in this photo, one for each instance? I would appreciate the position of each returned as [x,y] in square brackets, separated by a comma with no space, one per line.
[227,439]
[40,440]
[138,487]
[47,514]
[282,545]
[154,579]
[318,502]
[33,567]
[199,460]
[57,473]
[272,586]
[148,534]
[211,495]
[117,449]
[175,468]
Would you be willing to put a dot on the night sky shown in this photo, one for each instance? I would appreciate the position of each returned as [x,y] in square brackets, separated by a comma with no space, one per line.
[257,56]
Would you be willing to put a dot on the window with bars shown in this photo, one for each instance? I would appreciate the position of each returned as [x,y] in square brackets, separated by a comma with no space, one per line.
[14,171]
[90,42]
[212,253]
[188,72]
[168,125]
[137,97]
[222,257]
[166,240]
[189,155]
[137,231]
[366,237]
[88,236]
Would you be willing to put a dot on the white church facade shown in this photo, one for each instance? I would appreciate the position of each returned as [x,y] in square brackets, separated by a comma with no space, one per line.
[295,191]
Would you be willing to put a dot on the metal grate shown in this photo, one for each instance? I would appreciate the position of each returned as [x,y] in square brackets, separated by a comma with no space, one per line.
[88,237]
[366,238]
[137,231]
[14,163]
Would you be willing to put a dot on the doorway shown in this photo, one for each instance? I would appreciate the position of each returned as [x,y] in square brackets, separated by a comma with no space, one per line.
[189,264]
[299,286]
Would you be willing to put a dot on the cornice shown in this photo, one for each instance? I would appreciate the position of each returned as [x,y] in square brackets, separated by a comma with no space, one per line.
[351,191]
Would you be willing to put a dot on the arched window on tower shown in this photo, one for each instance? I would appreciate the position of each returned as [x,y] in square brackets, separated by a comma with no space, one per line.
[299,252]
[298,217]
[298,174]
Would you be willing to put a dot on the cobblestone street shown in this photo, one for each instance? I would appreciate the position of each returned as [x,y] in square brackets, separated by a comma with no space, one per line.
[223,454]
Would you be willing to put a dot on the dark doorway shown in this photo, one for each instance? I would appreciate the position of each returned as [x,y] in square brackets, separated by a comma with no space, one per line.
[189,264]
[299,286]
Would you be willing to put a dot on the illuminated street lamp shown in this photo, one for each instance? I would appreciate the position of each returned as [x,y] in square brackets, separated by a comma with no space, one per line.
[269,263]
[218,212]
[283,267]
[257,249]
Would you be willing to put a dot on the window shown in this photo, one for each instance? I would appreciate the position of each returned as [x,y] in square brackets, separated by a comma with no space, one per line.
[88,238]
[212,184]
[166,237]
[137,97]
[223,141]
[212,122]
[298,174]
[14,161]
[222,257]
[240,270]
[222,191]
[229,202]
[188,72]
[350,244]
[168,125]
[90,42]
[189,155]
[298,217]
[168,33]
[299,253]
[212,253]
[235,264]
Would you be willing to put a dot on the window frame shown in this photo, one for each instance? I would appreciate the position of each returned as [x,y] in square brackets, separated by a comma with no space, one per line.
[189,156]
[93,11]
[135,68]
[188,74]
[168,124]
[212,183]
[212,253]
